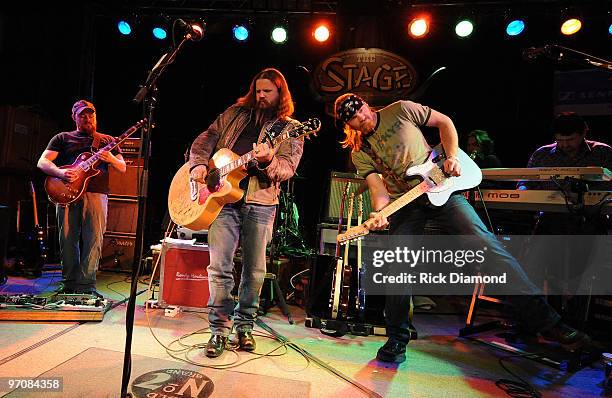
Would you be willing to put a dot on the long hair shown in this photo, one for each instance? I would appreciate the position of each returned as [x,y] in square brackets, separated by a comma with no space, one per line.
[285,102]
[353,137]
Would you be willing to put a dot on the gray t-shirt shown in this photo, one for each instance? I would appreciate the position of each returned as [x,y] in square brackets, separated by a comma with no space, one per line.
[398,141]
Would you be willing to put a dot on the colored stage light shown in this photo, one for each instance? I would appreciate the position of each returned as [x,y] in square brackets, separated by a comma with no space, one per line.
[241,33]
[124,27]
[610,29]
[418,27]
[515,27]
[464,28]
[571,26]
[321,33]
[159,33]
[279,35]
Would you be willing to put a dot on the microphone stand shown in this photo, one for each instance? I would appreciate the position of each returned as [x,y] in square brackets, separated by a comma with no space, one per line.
[587,58]
[147,94]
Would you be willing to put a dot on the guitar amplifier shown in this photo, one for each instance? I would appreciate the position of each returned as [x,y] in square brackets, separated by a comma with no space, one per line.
[183,275]
[130,148]
[337,185]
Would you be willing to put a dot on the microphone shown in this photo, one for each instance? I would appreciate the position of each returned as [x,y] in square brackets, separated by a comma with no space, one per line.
[195,32]
[534,52]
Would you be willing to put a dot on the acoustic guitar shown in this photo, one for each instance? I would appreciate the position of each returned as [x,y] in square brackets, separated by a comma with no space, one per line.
[195,208]
[62,192]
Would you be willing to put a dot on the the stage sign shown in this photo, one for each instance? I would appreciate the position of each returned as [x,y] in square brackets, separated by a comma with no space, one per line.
[377,75]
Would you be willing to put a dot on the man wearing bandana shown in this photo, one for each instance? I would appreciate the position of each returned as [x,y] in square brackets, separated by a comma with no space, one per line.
[393,135]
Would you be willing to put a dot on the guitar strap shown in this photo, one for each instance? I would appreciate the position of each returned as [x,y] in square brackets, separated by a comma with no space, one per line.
[367,148]
[95,145]
[275,129]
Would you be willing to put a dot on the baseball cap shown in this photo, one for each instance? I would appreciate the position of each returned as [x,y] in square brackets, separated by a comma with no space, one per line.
[80,106]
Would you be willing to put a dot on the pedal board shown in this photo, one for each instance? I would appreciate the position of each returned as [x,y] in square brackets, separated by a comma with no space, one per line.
[79,302]
[60,307]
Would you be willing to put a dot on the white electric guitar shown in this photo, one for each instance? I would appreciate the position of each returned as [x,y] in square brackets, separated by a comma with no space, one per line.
[436,184]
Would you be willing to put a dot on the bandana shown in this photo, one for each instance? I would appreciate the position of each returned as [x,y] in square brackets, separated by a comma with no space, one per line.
[349,107]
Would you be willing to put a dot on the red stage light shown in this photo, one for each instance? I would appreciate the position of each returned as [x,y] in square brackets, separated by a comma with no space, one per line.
[321,33]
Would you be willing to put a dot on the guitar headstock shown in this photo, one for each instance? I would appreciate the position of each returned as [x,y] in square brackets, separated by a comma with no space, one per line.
[307,128]
[352,234]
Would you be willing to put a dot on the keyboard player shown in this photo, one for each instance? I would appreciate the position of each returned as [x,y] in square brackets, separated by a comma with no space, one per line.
[570,149]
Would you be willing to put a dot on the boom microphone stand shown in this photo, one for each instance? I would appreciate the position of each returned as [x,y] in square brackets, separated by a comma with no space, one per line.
[147,94]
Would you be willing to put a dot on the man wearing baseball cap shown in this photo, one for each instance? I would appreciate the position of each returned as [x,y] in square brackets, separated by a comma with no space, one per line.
[81,225]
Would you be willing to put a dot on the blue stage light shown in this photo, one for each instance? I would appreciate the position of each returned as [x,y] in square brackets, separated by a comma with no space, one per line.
[241,33]
[159,33]
[515,27]
[124,27]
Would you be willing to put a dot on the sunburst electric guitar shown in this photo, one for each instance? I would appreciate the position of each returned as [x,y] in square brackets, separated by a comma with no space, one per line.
[196,208]
[437,185]
[62,192]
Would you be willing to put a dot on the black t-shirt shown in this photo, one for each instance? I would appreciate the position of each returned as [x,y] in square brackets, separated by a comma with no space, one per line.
[248,136]
[71,144]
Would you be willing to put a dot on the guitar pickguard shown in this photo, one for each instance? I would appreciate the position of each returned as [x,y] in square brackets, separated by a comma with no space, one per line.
[205,192]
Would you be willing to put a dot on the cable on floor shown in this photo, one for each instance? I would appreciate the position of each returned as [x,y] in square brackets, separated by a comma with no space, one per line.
[517,388]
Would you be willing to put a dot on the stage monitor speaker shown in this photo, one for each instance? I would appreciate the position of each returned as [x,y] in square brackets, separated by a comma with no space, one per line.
[117,252]
[336,190]
[124,184]
[122,215]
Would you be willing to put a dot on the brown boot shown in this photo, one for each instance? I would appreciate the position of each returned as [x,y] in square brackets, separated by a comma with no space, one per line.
[215,345]
[246,340]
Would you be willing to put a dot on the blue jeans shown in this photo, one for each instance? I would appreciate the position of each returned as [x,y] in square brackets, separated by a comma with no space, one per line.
[457,217]
[81,232]
[251,225]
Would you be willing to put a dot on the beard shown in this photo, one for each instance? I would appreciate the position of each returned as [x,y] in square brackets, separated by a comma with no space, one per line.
[263,115]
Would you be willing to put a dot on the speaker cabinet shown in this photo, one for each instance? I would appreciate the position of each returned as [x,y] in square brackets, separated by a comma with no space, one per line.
[122,215]
[322,270]
[337,185]
[125,184]
[117,251]
[4,226]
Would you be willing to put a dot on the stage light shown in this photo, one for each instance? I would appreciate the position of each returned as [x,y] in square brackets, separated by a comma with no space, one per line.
[124,27]
[418,27]
[464,28]
[515,27]
[279,35]
[571,26]
[610,29]
[159,33]
[240,32]
[321,33]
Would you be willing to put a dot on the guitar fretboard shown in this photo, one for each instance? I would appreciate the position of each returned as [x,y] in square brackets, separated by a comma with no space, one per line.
[91,162]
[247,157]
[405,199]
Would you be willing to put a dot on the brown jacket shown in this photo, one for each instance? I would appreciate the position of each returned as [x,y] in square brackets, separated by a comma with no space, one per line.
[222,133]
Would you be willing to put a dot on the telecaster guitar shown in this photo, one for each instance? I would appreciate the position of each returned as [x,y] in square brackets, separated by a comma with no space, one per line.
[436,184]
[196,208]
[63,192]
